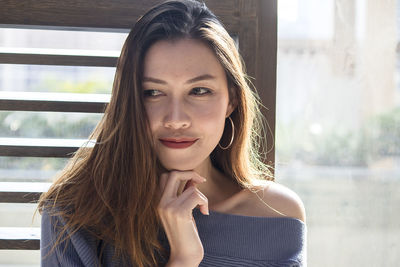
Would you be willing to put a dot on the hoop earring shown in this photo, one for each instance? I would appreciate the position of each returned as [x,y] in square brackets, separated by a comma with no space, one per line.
[233,135]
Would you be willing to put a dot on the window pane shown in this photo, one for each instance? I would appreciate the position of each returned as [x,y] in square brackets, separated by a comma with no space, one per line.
[61,39]
[37,78]
[338,126]
[30,169]
[47,124]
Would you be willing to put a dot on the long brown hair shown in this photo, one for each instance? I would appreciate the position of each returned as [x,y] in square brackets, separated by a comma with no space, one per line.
[111,188]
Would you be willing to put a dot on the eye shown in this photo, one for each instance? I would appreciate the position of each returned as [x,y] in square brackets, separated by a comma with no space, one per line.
[151,93]
[201,91]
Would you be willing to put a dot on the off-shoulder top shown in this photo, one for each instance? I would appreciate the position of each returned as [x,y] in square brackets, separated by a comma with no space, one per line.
[228,240]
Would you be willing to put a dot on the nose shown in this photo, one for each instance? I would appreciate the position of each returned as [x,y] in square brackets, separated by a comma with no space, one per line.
[176,116]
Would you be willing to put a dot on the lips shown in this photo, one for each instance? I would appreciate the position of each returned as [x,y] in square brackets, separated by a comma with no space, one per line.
[178,142]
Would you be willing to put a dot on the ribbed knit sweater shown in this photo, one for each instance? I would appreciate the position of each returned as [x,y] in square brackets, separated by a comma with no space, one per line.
[228,240]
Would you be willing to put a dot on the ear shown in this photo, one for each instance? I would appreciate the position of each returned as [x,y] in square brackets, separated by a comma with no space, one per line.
[230,109]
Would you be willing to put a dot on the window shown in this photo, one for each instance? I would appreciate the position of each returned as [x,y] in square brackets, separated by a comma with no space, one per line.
[338,126]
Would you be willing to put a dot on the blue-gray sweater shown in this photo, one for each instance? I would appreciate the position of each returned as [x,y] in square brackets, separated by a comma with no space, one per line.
[228,240]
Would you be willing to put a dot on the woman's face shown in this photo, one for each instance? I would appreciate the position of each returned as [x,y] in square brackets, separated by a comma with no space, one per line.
[186,99]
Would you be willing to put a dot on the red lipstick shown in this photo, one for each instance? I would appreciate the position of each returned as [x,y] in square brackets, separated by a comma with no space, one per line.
[178,143]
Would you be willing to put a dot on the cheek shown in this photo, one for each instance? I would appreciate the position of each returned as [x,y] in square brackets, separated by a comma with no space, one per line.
[153,112]
[211,118]
[210,113]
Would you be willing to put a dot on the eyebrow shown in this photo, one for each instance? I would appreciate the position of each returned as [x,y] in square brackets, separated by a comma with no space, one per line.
[193,80]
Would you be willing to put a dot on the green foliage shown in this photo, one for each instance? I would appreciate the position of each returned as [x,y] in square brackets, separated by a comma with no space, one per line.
[377,138]
[96,86]
[383,134]
[339,149]
[49,125]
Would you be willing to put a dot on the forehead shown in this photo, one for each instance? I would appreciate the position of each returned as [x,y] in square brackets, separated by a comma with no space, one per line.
[181,58]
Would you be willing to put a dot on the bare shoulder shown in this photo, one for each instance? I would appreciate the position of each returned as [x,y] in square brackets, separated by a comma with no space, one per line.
[276,200]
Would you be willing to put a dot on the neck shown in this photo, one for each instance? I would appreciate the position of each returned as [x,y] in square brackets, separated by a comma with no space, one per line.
[218,187]
[206,169]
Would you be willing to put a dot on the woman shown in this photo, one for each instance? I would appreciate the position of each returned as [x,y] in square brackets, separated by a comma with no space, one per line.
[181,130]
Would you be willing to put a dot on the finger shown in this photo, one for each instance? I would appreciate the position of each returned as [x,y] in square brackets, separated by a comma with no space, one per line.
[185,185]
[175,208]
[192,197]
[181,187]
[174,179]
[188,200]
[187,177]
[186,194]
[163,182]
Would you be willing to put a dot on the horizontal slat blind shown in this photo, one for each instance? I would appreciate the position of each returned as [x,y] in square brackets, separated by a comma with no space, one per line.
[91,14]
[61,60]
[57,102]
[62,57]
[21,192]
[41,147]
[19,238]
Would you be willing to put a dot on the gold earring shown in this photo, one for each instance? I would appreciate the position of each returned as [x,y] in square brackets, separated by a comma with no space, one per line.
[233,135]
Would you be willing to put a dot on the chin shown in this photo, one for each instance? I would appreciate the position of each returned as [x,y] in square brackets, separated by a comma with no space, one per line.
[179,167]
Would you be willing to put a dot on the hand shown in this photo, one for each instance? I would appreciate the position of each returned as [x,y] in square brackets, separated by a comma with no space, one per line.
[176,216]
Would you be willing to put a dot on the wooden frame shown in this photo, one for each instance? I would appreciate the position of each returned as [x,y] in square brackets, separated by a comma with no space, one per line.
[254,22]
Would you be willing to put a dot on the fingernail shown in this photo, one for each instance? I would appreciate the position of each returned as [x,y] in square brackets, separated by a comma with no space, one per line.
[204,180]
